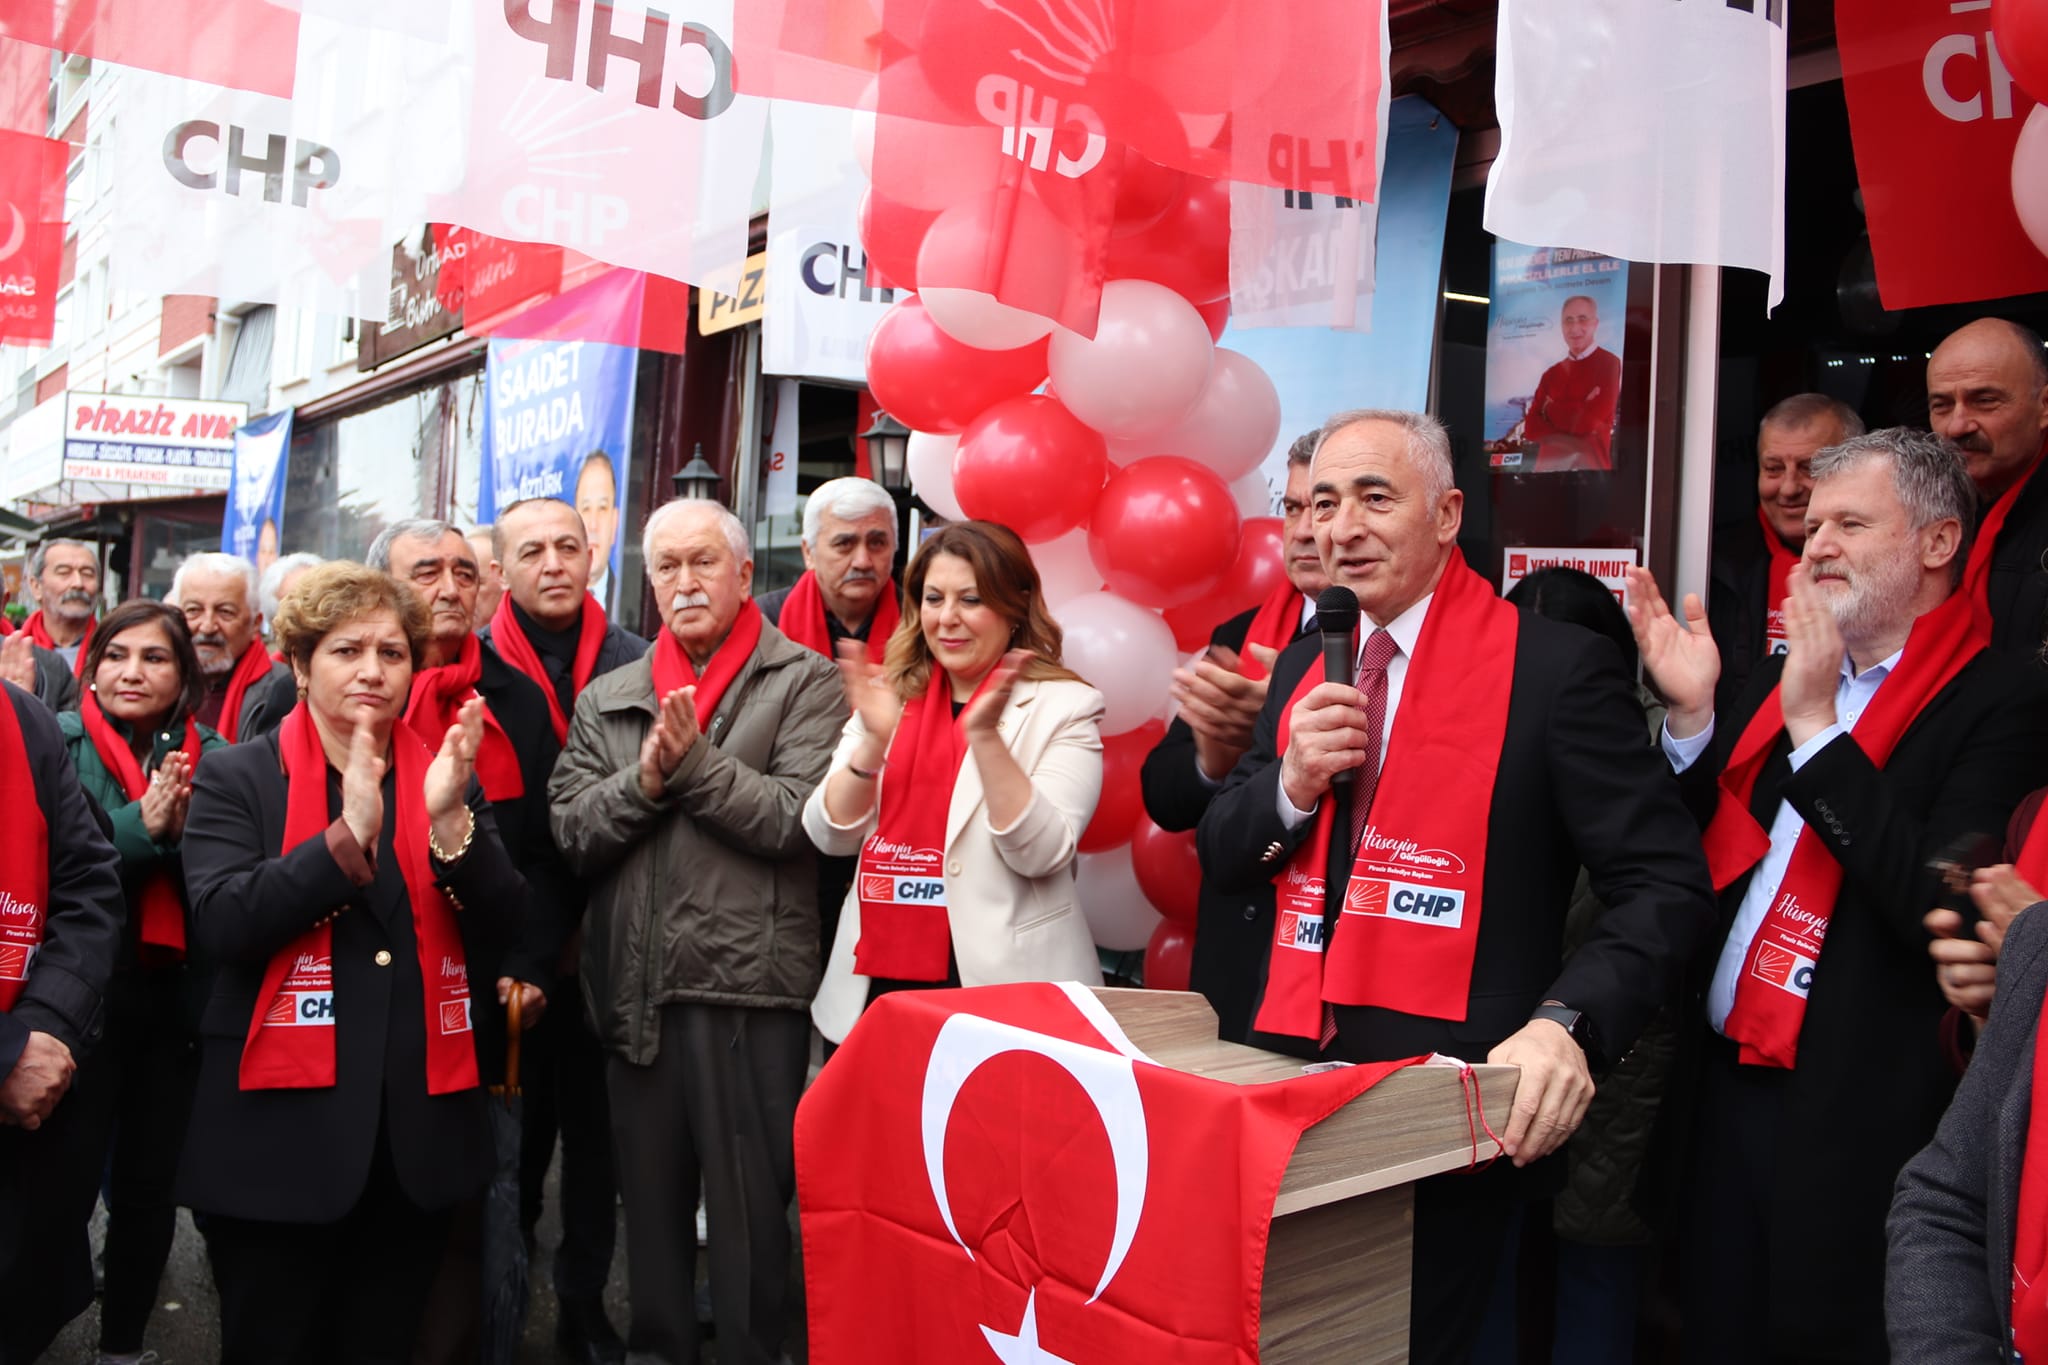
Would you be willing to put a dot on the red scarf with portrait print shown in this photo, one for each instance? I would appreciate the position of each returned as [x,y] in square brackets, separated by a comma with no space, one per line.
[163,902]
[291,1035]
[1778,970]
[803,617]
[673,669]
[1408,926]
[24,860]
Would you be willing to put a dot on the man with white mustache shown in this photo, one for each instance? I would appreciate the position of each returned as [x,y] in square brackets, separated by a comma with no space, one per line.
[247,692]
[1886,731]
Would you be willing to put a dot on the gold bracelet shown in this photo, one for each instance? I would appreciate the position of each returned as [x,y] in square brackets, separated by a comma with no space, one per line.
[450,859]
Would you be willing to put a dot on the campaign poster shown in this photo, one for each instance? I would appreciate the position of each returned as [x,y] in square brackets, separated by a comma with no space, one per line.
[558,423]
[1607,563]
[254,523]
[1553,358]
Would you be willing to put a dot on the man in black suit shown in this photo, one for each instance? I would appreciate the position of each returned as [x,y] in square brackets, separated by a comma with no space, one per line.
[1821,1069]
[50,1015]
[1572,783]
[1220,698]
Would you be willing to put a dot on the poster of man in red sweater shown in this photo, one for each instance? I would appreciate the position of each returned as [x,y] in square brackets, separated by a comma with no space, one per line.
[1566,420]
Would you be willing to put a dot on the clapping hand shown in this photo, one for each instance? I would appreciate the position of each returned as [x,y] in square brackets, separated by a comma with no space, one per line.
[868,693]
[1220,704]
[448,775]
[986,710]
[1813,659]
[1680,655]
[675,730]
[167,798]
[362,786]
[18,660]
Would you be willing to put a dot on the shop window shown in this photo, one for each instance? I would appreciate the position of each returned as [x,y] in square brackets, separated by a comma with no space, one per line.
[826,419]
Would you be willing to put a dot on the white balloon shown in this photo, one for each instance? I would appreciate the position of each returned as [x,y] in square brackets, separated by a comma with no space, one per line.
[929,461]
[1254,495]
[1234,422]
[1145,366]
[1065,569]
[973,318]
[2030,177]
[1106,888]
[1125,651]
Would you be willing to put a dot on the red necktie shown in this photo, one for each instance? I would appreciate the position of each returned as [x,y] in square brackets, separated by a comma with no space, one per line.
[1372,681]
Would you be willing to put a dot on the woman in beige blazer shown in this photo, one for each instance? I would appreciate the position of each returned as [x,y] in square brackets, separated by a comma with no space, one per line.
[995,837]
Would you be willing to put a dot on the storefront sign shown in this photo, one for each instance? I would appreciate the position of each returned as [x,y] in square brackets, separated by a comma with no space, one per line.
[823,295]
[719,312]
[1553,358]
[172,444]
[1607,563]
[255,512]
[419,311]
[558,423]
[1929,100]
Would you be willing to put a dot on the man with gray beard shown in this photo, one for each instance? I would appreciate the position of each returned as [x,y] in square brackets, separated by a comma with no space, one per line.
[247,692]
[1886,733]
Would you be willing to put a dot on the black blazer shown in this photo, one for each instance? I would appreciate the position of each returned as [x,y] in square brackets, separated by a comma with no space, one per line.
[555,902]
[1872,1077]
[1738,596]
[1948,1278]
[1577,785]
[2018,591]
[1232,928]
[303,1156]
[267,702]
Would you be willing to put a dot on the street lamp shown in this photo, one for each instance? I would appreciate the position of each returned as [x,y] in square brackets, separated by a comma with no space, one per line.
[888,443]
[697,479]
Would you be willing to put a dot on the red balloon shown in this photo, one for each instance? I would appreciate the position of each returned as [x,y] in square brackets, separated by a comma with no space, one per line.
[891,233]
[1164,532]
[1187,250]
[2020,27]
[1122,803]
[1261,564]
[1216,314]
[930,382]
[1169,957]
[1169,872]
[1031,465]
[1144,194]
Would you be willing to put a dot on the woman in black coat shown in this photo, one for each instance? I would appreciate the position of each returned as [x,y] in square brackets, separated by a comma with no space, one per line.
[336,870]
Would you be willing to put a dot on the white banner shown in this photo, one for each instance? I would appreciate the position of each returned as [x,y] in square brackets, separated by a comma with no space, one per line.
[783,442]
[821,303]
[1643,129]
[613,129]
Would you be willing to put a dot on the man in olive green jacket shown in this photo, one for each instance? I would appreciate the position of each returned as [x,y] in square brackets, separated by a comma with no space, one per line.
[678,798]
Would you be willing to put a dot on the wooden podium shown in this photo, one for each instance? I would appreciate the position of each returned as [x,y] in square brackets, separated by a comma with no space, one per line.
[1336,1282]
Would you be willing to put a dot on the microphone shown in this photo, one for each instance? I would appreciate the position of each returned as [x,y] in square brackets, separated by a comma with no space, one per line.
[1337,620]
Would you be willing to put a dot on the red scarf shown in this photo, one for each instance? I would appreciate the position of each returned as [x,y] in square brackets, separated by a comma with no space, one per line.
[1977,572]
[25,862]
[803,617]
[40,633]
[1412,907]
[1777,972]
[252,668]
[1783,562]
[673,669]
[291,1034]
[905,934]
[1274,625]
[438,693]
[163,908]
[509,637]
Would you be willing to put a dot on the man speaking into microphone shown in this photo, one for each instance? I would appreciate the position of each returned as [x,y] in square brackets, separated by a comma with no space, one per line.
[1423,824]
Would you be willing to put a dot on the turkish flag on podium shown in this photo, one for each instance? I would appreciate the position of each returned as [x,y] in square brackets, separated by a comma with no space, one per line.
[998,1170]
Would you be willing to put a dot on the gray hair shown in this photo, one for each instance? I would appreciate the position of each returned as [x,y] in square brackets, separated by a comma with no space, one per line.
[1927,473]
[849,499]
[735,533]
[378,556]
[279,570]
[1804,409]
[214,562]
[1429,445]
[1303,451]
[36,556]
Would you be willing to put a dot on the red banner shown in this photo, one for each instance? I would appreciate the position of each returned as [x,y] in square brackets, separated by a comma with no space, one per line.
[31,234]
[528,291]
[1931,105]
[998,1170]
[242,44]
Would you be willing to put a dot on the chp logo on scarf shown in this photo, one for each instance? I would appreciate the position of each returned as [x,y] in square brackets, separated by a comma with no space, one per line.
[999,1170]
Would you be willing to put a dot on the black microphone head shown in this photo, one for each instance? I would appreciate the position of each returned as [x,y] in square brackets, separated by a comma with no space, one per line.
[1337,611]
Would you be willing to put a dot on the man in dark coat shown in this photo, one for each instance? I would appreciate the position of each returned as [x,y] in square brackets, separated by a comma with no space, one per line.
[1220,696]
[1817,1000]
[50,1015]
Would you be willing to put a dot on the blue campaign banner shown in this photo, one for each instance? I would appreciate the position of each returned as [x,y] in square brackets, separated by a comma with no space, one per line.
[254,522]
[1321,370]
[558,423]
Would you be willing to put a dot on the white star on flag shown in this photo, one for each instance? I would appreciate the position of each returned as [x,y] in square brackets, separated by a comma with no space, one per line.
[1023,1348]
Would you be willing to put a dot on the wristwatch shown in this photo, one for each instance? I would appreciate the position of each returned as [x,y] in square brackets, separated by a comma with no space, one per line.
[1573,1021]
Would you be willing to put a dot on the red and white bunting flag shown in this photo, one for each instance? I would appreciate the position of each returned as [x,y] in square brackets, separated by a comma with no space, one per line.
[31,235]
[613,130]
[245,44]
[24,87]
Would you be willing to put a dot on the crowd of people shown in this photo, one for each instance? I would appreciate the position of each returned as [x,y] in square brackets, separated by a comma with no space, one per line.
[1737,889]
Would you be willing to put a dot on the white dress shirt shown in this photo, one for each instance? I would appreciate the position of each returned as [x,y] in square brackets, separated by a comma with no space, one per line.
[1852,698]
[1406,629]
